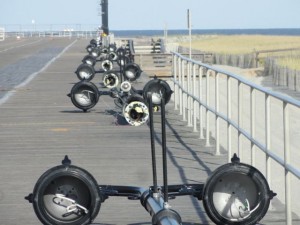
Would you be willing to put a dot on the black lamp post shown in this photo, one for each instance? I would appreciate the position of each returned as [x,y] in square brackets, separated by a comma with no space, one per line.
[104,13]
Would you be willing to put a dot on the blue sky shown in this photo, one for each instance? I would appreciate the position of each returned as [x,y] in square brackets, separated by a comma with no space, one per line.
[155,14]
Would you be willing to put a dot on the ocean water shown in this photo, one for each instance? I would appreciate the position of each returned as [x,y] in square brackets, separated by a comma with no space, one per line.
[277,31]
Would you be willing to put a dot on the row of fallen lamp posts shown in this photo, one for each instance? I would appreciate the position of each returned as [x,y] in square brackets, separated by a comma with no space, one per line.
[106,57]
[235,193]
[118,75]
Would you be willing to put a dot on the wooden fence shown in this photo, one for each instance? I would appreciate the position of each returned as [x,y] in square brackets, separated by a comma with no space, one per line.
[282,76]
[242,61]
[251,60]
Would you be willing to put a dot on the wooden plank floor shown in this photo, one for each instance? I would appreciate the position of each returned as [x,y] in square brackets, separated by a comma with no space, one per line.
[39,126]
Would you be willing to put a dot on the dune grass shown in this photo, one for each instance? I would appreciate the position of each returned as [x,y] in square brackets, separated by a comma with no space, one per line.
[247,44]
[291,61]
[242,44]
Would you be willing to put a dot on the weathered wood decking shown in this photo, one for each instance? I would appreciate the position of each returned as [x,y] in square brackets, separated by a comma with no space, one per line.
[39,126]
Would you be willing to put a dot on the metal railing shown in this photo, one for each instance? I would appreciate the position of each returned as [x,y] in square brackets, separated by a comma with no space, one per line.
[53,34]
[241,117]
[2,34]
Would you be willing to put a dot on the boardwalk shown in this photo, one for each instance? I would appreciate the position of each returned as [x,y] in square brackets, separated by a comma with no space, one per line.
[39,126]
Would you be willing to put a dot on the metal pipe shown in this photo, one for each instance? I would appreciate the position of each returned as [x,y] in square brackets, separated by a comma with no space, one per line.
[184,95]
[239,120]
[189,107]
[268,135]
[180,62]
[194,101]
[104,11]
[207,111]
[217,103]
[135,193]
[164,149]
[229,129]
[154,172]
[201,135]
[253,120]
[159,210]
[287,160]
[176,96]
[130,192]
[194,190]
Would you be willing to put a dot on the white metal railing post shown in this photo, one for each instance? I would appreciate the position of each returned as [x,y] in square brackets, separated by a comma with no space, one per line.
[189,107]
[217,99]
[201,135]
[194,101]
[173,71]
[239,120]
[180,90]
[252,124]
[229,126]
[207,111]
[268,136]
[176,94]
[287,159]
[192,93]
[184,95]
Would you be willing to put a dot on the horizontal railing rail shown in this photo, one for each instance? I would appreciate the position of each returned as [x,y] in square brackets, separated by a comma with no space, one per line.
[239,112]
[84,34]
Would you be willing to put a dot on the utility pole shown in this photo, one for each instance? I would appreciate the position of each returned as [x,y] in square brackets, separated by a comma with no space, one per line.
[104,13]
[190,31]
